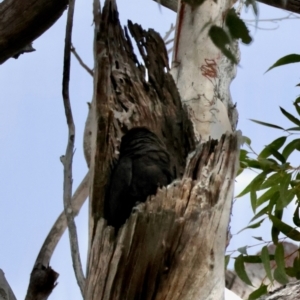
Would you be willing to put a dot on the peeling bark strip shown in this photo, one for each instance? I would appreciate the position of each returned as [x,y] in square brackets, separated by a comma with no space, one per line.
[170,248]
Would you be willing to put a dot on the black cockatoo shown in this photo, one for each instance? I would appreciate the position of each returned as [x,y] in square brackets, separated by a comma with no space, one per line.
[143,166]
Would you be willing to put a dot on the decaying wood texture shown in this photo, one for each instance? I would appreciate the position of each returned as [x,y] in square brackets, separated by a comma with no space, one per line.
[23,21]
[171,245]
[123,99]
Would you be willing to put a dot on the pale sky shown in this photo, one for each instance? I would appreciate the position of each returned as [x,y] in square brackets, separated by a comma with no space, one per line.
[33,131]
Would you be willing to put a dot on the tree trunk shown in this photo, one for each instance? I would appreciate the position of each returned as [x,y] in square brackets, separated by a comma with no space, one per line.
[172,246]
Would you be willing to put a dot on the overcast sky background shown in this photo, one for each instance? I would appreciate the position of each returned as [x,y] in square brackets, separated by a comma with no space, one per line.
[33,131]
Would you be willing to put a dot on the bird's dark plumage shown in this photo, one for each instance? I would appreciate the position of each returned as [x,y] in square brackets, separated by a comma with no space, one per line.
[143,166]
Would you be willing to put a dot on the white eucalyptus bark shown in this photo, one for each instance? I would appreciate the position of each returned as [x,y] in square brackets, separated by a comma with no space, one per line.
[200,70]
[203,77]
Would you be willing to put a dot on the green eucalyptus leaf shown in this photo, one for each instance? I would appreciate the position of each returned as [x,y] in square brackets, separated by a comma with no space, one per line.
[253,163]
[290,147]
[253,198]
[286,196]
[275,145]
[278,155]
[262,212]
[297,106]
[297,100]
[296,266]
[288,59]
[290,116]
[291,272]
[273,201]
[258,238]
[254,259]
[286,229]
[267,195]
[239,268]
[245,140]
[279,272]
[275,231]
[262,290]
[243,154]
[266,262]
[252,226]
[293,129]
[243,250]
[296,216]
[268,164]
[272,180]
[266,124]
[286,199]
[255,182]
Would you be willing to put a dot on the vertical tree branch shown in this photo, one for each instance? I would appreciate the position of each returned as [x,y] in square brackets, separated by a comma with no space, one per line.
[68,158]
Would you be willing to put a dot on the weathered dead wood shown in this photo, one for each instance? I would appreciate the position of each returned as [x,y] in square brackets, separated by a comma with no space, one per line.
[23,21]
[125,99]
[171,245]
[5,289]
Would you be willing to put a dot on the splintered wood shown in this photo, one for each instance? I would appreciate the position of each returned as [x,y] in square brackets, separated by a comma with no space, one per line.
[172,246]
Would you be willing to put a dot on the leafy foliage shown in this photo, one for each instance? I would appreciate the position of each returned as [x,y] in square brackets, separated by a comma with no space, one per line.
[276,186]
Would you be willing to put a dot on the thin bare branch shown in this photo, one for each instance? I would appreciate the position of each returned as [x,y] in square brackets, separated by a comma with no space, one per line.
[60,224]
[168,33]
[68,158]
[290,16]
[73,50]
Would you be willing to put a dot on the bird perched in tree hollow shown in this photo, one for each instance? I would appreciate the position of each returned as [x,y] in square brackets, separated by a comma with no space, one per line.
[143,166]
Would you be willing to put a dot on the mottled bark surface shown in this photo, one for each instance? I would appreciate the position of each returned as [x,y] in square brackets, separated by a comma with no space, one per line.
[291,5]
[23,21]
[171,245]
